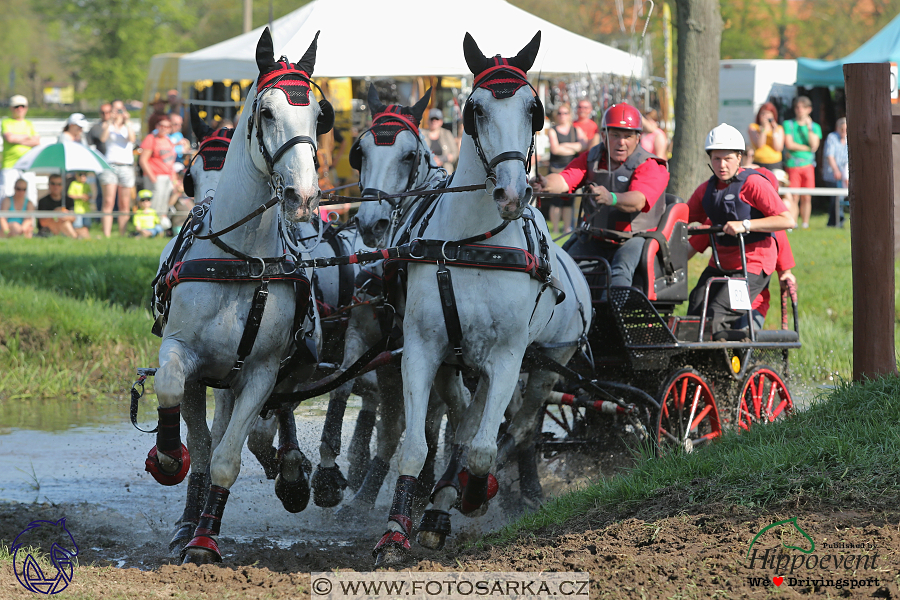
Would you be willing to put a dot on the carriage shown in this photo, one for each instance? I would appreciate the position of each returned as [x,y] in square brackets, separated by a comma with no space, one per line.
[651,375]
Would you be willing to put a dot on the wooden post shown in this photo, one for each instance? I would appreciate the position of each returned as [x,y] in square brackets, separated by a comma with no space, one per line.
[871,217]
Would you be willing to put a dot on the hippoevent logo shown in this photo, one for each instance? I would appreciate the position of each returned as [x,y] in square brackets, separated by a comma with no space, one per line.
[62,551]
[795,561]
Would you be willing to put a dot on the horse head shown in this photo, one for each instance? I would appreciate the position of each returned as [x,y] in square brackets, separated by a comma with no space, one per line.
[392,157]
[501,117]
[283,125]
[205,170]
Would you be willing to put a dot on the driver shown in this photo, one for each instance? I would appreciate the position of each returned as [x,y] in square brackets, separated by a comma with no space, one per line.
[628,186]
[743,201]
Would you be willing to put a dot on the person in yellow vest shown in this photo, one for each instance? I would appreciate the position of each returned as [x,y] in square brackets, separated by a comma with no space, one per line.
[146,219]
[81,192]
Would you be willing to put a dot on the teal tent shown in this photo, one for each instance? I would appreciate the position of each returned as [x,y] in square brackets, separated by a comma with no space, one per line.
[883,47]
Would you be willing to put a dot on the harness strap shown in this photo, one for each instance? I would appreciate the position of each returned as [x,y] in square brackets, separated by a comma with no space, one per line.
[233,226]
[248,338]
[448,306]
[299,139]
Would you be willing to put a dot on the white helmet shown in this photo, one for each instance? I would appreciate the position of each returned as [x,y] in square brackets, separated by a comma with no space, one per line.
[725,137]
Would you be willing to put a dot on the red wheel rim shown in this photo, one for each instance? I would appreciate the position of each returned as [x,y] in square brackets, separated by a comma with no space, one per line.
[764,398]
[688,413]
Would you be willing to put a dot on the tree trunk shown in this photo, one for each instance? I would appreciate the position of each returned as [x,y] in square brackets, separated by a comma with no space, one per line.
[699,25]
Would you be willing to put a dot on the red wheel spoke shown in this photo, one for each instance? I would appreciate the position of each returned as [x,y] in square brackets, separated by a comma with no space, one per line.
[781,406]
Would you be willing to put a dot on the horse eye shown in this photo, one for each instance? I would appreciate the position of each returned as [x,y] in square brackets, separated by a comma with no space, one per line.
[409,156]
[479,111]
[266,113]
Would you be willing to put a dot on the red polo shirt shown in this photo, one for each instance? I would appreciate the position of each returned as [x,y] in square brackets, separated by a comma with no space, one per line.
[650,178]
[758,193]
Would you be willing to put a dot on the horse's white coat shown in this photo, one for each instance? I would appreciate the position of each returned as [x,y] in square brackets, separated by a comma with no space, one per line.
[206,320]
[497,309]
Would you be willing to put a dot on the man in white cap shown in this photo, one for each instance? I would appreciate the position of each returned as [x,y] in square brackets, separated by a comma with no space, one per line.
[19,136]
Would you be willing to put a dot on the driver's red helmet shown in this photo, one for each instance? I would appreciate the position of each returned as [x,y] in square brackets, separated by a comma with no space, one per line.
[622,116]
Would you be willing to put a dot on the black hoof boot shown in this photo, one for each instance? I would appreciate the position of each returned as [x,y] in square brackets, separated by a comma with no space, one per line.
[434,529]
[328,486]
[294,495]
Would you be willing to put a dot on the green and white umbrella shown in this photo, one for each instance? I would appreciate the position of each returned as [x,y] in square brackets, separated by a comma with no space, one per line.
[61,158]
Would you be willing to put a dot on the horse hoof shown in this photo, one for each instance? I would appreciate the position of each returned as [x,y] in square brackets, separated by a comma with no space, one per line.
[431,539]
[294,495]
[183,534]
[202,550]
[392,549]
[328,486]
[155,468]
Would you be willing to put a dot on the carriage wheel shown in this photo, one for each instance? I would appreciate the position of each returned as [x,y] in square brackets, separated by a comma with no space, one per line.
[688,415]
[764,397]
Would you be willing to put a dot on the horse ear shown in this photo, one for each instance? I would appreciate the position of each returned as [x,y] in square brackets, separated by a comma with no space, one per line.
[265,53]
[525,58]
[308,62]
[475,58]
[199,126]
[418,109]
[375,105]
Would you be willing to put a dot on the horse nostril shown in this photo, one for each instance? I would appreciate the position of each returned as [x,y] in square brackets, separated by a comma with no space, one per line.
[380,226]
[499,194]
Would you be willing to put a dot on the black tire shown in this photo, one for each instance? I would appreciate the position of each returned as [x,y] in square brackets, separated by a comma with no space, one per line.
[688,415]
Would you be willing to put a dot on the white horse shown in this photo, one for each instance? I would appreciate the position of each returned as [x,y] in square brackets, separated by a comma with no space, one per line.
[234,332]
[497,313]
[330,285]
[392,157]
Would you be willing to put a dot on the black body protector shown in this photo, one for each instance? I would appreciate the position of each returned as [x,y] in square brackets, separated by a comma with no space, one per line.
[601,216]
[722,206]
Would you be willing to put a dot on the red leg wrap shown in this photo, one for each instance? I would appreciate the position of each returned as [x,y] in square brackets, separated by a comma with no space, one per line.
[476,490]
[206,542]
[152,466]
[392,539]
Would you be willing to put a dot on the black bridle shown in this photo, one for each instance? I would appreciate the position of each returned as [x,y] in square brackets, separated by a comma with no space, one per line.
[470,122]
[276,182]
[412,178]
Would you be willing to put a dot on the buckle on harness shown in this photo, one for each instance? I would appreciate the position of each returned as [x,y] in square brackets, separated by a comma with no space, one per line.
[250,267]
[444,252]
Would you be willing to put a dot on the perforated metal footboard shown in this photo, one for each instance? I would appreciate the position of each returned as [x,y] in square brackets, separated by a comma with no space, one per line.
[641,326]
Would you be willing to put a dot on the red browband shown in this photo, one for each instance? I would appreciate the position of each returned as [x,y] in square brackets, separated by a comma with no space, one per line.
[264,80]
[397,117]
[479,79]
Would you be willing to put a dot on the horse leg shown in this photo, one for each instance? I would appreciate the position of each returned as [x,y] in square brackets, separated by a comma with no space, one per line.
[504,374]
[420,363]
[390,430]
[328,483]
[225,465]
[262,434]
[358,451]
[199,444]
[292,481]
[435,525]
[221,414]
[169,461]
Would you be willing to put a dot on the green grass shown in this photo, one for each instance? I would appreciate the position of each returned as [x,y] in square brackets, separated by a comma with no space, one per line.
[845,449]
[116,271]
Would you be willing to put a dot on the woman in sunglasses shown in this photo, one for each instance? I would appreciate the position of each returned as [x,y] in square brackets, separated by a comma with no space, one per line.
[17,226]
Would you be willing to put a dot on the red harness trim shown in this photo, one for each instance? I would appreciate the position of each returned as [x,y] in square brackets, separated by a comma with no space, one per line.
[482,77]
[391,116]
[286,69]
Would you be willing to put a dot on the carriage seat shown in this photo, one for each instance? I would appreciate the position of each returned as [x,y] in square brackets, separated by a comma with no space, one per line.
[664,279]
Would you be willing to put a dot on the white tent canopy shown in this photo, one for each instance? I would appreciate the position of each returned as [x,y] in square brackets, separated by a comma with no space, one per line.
[389,38]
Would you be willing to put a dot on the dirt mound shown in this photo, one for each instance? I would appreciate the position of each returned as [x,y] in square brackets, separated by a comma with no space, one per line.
[697,553]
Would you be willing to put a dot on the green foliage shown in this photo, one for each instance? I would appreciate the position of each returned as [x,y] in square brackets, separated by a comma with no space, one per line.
[844,448]
[114,39]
